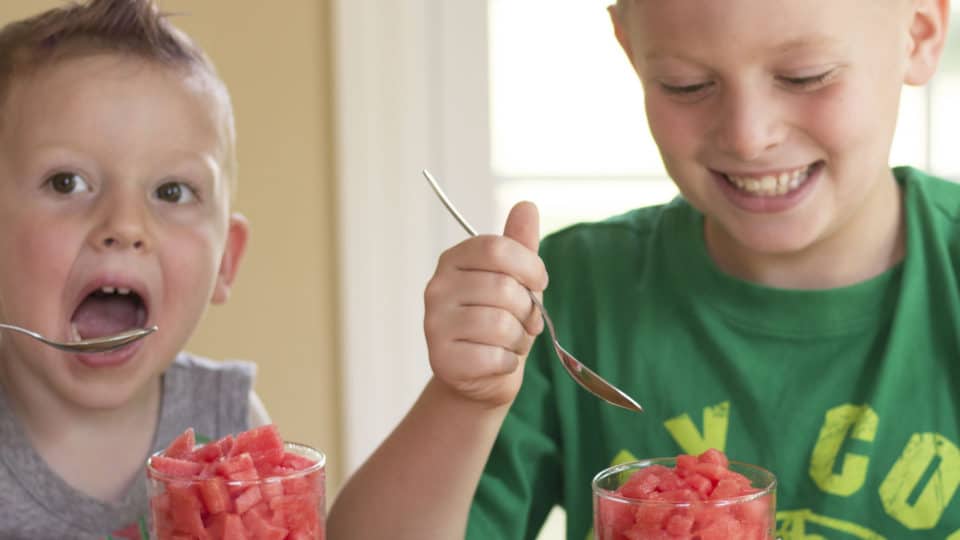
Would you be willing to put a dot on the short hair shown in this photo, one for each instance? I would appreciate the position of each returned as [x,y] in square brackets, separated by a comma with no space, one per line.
[135,27]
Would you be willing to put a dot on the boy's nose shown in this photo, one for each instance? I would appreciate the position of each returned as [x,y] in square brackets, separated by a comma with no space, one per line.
[120,240]
[122,226]
[750,126]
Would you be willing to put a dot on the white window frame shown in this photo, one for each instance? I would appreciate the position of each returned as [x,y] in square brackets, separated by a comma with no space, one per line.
[403,104]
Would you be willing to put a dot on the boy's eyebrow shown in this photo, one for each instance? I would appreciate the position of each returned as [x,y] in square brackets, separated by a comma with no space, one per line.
[812,41]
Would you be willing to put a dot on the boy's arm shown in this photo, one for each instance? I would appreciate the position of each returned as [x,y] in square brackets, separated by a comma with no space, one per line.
[420,482]
[479,324]
[256,412]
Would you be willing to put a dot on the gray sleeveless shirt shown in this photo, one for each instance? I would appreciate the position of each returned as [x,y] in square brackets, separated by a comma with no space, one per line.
[35,503]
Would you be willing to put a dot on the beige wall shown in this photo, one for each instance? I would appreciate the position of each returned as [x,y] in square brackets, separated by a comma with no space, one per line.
[275,58]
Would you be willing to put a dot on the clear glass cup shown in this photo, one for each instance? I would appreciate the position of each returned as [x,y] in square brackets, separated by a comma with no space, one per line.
[744,517]
[216,509]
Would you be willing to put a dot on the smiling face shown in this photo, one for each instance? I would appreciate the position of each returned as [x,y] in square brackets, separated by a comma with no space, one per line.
[775,117]
[114,213]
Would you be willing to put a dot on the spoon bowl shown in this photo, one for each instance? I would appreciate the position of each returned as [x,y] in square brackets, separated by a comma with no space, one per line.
[584,376]
[88,346]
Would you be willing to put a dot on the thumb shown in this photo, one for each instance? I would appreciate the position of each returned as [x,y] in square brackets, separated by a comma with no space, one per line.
[523,225]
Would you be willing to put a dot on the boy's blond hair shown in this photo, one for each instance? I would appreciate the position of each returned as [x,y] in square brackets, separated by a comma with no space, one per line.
[135,27]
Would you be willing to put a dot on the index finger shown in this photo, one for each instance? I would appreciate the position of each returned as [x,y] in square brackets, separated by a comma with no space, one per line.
[492,253]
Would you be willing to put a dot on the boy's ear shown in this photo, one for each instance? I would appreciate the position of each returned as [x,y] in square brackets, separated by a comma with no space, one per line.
[928,31]
[238,229]
[620,30]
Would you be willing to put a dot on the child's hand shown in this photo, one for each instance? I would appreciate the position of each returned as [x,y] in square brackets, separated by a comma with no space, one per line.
[480,321]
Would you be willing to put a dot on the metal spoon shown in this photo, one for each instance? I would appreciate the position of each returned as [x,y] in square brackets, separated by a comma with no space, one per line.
[93,345]
[594,383]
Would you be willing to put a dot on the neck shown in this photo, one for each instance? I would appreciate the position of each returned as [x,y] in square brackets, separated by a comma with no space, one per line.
[868,243]
[73,440]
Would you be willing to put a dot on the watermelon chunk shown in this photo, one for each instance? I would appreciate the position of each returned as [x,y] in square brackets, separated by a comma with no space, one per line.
[182,446]
[691,499]
[176,468]
[248,486]
[216,498]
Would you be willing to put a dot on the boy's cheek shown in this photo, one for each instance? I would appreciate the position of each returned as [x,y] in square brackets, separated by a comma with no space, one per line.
[44,262]
[33,276]
[673,129]
[843,116]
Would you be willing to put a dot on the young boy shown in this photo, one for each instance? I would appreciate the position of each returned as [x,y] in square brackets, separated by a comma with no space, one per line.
[116,171]
[797,308]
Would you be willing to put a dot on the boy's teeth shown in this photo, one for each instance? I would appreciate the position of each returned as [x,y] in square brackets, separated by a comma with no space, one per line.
[74,334]
[111,290]
[771,185]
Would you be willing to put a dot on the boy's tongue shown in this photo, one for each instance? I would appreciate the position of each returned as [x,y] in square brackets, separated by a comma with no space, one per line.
[99,316]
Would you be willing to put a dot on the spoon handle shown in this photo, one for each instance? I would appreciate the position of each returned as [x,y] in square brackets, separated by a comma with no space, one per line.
[446,202]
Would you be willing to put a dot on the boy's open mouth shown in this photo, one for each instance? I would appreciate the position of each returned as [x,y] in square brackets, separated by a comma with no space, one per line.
[772,185]
[106,311]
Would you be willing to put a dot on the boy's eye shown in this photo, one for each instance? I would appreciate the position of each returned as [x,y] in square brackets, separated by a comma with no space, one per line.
[688,90]
[810,83]
[175,192]
[66,183]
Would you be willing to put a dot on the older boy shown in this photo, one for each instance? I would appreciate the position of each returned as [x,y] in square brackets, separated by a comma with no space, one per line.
[116,163]
[798,307]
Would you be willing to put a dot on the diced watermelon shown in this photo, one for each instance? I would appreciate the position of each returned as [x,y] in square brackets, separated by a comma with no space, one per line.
[234,465]
[730,486]
[679,524]
[215,496]
[689,500]
[296,461]
[685,462]
[216,525]
[271,489]
[259,527]
[182,446]
[213,450]
[712,455]
[267,460]
[175,468]
[233,528]
[245,487]
[259,439]
[186,510]
[298,484]
[701,484]
[248,498]
[713,471]
[300,511]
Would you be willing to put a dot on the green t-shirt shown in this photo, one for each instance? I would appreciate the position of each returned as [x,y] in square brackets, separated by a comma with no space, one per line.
[851,396]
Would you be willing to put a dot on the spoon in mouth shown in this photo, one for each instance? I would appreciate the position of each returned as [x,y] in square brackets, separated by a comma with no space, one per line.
[92,345]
